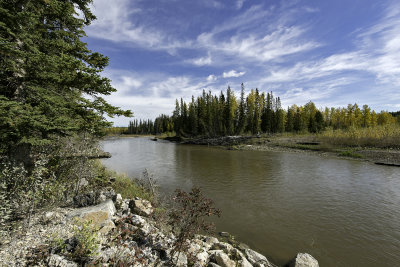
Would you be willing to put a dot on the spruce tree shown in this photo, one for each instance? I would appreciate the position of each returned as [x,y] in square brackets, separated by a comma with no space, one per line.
[50,82]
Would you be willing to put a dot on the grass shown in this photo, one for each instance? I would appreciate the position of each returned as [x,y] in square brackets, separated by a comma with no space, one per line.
[126,186]
[387,136]
[350,154]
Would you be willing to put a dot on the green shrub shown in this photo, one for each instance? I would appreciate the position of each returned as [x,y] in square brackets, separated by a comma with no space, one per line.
[88,241]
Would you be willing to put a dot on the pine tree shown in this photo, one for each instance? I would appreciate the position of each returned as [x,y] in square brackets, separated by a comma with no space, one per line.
[241,117]
[46,72]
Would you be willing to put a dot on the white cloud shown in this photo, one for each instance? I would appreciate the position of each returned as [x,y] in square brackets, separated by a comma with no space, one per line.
[211,78]
[201,61]
[114,23]
[213,3]
[377,52]
[271,40]
[239,4]
[233,73]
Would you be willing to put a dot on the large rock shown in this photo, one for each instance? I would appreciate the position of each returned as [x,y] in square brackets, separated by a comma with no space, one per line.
[141,207]
[223,260]
[256,258]
[304,260]
[100,215]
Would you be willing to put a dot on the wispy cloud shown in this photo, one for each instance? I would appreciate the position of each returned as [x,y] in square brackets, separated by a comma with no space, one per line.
[116,23]
[274,38]
[239,4]
[211,78]
[233,73]
[201,61]
[377,52]
[213,3]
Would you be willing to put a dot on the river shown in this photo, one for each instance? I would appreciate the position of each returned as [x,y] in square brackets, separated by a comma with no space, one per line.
[343,212]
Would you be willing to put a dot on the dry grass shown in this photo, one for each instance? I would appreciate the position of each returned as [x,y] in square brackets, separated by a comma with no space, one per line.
[387,136]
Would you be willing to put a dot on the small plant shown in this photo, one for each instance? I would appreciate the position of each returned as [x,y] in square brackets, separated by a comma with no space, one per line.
[57,244]
[187,218]
[87,240]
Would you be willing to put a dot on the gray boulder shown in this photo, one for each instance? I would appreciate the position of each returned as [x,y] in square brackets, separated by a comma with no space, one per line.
[141,207]
[303,260]
[100,215]
[256,258]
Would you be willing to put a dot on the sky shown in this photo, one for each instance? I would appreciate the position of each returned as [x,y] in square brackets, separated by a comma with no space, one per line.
[331,52]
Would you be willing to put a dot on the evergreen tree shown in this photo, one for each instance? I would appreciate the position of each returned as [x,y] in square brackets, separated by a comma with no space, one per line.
[241,125]
[46,72]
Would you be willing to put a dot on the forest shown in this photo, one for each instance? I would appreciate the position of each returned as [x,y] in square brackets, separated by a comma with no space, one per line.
[256,113]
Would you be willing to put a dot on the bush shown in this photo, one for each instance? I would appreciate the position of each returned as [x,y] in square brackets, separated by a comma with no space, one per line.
[188,216]
[87,241]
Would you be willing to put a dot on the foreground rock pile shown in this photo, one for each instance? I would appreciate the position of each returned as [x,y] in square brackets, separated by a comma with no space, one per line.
[128,236]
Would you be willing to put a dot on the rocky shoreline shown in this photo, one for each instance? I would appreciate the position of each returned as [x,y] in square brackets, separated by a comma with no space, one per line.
[127,235]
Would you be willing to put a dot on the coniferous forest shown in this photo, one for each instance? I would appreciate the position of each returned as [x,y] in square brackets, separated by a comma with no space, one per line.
[255,113]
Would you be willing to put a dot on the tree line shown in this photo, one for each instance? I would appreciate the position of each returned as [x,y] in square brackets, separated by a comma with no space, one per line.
[255,113]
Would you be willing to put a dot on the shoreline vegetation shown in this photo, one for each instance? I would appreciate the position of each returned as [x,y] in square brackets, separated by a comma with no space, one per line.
[119,221]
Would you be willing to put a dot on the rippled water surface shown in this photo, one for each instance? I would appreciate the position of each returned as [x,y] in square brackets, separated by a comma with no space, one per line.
[343,212]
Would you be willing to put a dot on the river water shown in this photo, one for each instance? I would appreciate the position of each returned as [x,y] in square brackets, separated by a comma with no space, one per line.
[343,212]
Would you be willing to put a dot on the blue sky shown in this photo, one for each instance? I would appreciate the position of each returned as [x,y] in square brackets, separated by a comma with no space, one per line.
[332,52]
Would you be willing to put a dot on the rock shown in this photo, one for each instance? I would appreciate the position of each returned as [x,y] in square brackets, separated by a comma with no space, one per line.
[102,198]
[224,234]
[107,227]
[223,260]
[86,199]
[303,260]
[109,193]
[244,263]
[141,207]
[180,259]
[227,248]
[256,258]
[202,259]
[58,261]
[118,201]
[210,240]
[125,207]
[212,264]
[100,215]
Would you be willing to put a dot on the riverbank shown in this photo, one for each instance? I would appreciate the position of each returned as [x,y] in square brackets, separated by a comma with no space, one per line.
[101,228]
[298,144]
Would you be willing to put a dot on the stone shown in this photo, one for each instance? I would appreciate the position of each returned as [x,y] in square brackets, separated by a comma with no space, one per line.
[107,227]
[244,263]
[227,248]
[212,264]
[141,207]
[57,261]
[224,234]
[118,201]
[256,258]
[202,259]
[86,199]
[210,240]
[223,260]
[180,259]
[100,215]
[304,260]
